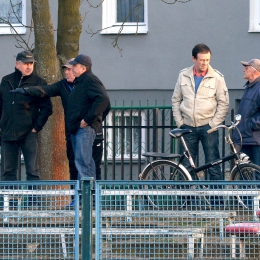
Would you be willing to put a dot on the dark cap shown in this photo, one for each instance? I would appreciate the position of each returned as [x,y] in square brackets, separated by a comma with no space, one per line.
[25,56]
[255,63]
[83,60]
[67,65]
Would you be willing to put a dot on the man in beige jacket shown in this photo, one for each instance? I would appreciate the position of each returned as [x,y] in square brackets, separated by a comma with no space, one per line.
[200,102]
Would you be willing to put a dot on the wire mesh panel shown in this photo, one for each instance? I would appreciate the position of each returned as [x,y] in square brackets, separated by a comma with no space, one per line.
[37,221]
[177,220]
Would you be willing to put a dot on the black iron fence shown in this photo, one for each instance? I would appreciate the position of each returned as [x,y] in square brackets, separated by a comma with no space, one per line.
[130,131]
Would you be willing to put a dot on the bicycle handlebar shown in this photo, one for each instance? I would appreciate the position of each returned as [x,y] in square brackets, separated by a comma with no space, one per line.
[232,126]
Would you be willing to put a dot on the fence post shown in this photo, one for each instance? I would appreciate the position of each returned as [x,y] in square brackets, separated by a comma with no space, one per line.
[155,129]
[87,184]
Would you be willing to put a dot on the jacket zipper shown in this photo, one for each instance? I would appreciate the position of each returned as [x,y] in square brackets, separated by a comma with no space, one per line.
[17,87]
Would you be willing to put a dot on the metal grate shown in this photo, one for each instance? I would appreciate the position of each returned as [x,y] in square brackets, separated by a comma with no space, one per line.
[177,220]
[36,222]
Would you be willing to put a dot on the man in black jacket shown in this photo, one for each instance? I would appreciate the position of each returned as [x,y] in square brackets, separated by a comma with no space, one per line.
[87,103]
[63,88]
[22,117]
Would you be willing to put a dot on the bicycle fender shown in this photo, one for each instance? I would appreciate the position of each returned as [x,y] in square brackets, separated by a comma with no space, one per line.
[231,177]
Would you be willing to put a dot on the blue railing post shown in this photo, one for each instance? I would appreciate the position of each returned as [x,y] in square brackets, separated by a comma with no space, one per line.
[87,184]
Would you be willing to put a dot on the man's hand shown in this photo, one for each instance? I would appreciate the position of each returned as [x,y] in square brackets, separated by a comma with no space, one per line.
[83,124]
[19,91]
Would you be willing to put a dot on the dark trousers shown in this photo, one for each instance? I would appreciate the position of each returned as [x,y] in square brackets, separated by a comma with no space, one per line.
[72,167]
[253,151]
[10,153]
[210,143]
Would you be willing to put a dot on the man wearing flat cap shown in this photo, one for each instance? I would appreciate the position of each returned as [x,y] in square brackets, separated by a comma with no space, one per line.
[22,117]
[249,109]
[86,105]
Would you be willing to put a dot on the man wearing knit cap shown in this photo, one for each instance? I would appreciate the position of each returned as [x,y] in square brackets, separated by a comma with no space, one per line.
[87,103]
[249,109]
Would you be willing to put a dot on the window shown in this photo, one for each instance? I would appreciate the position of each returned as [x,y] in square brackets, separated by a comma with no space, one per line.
[126,128]
[254,16]
[12,12]
[131,14]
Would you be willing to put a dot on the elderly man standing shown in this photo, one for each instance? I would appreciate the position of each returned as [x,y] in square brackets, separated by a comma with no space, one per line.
[63,89]
[86,104]
[200,102]
[249,109]
[22,117]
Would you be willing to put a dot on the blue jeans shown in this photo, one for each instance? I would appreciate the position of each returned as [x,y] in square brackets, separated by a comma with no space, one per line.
[82,143]
[10,151]
[210,143]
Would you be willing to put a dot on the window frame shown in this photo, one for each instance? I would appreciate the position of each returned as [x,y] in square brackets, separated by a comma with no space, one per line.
[110,136]
[254,16]
[110,26]
[19,27]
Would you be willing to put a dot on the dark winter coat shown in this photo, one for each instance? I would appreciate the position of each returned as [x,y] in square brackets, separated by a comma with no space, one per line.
[20,114]
[88,100]
[249,109]
[61,88]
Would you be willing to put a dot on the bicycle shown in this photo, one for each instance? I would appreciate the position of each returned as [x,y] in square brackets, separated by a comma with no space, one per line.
[165,168]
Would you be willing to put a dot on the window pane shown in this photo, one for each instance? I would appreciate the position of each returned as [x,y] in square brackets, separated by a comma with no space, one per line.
[135,135]
[130,9]
[12,14]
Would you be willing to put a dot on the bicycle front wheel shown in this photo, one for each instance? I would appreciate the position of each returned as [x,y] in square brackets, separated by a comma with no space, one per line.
[164,170]
[245,172]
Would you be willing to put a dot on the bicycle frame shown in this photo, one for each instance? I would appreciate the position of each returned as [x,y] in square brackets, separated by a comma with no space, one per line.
[235,154]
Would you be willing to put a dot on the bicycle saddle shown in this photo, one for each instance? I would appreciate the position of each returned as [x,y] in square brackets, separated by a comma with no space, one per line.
[177,132]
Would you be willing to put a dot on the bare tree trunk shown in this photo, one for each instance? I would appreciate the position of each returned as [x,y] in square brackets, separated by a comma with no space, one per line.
[69,29]
[53,160]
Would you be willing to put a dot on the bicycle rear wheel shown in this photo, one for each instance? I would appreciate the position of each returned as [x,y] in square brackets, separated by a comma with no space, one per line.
[163,170]
[245,172]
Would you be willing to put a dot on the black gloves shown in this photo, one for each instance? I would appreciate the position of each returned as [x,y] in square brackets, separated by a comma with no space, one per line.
[19,91]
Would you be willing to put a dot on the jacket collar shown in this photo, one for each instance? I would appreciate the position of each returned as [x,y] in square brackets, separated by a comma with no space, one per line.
[189,72]
[80,78]
[249,85]
[17,73]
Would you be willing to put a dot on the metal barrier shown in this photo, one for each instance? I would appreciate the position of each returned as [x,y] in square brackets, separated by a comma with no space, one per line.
[36,222]
[177,220]
[130,220]
[130,131]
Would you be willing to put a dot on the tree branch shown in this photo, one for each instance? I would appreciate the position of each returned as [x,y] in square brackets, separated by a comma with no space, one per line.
[176,1]
[95,6]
